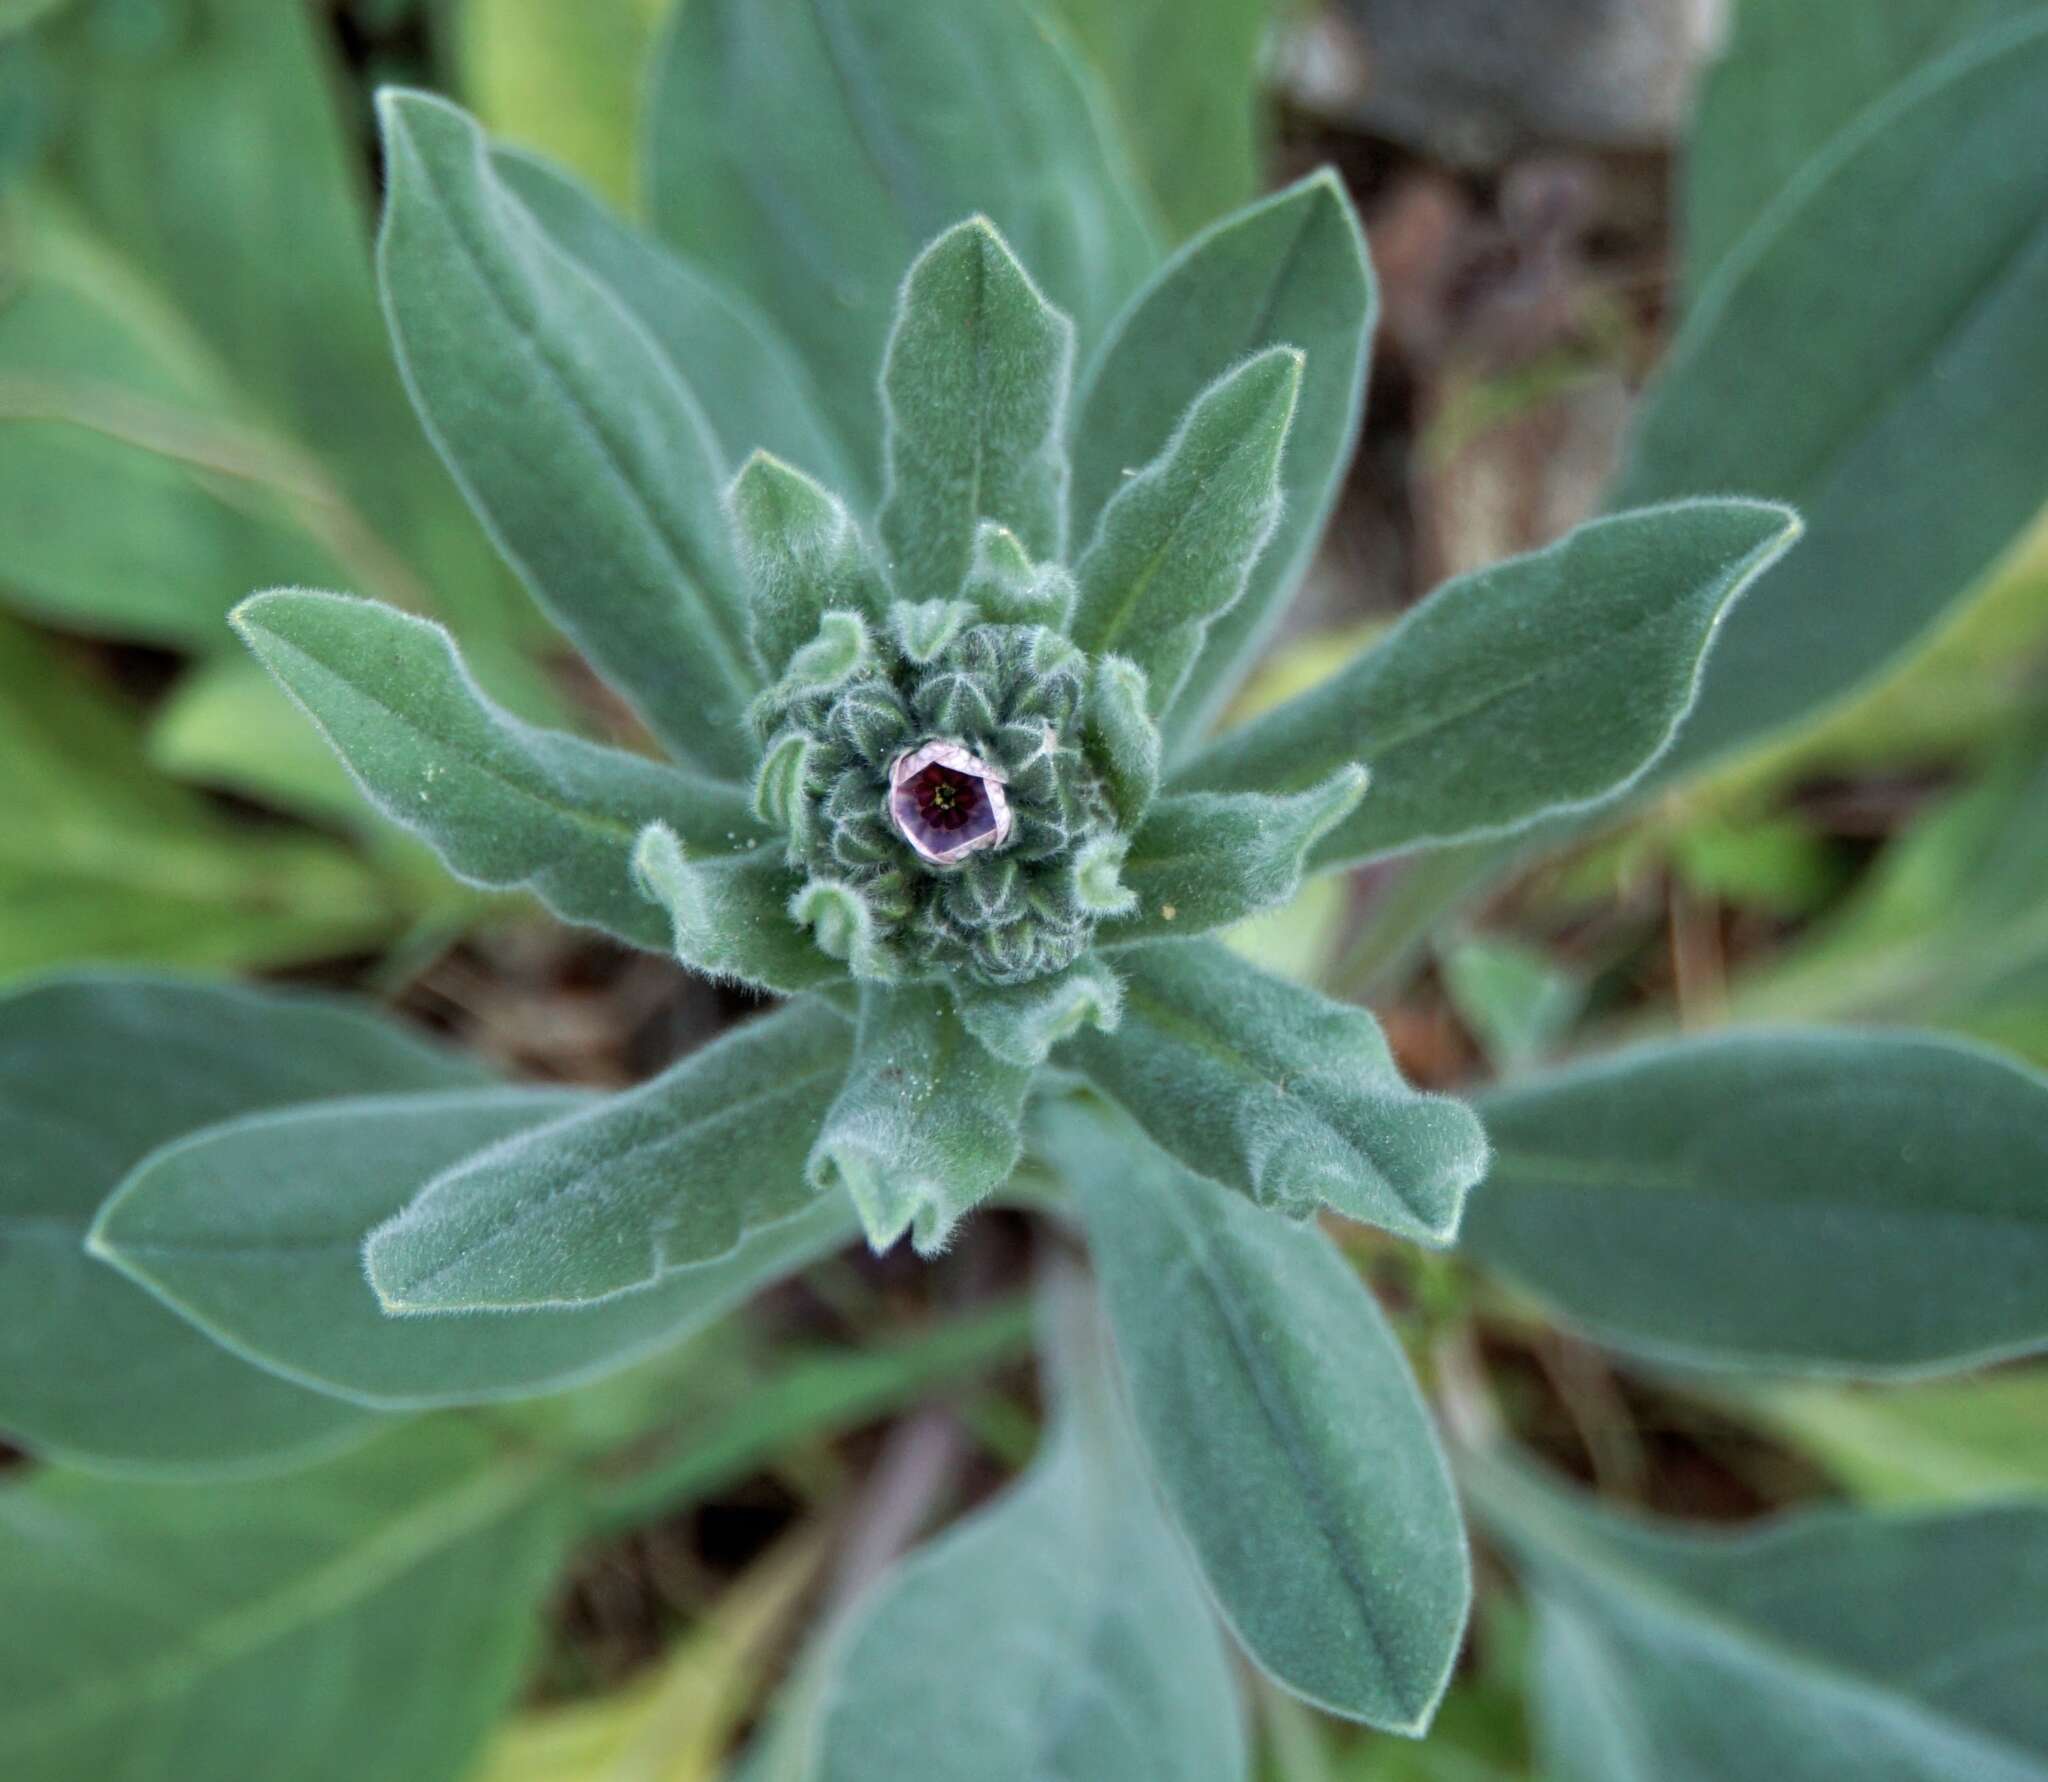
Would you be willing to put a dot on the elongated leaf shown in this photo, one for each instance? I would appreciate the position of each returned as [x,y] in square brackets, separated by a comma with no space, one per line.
[254,1232]
[1177,544]
[734,918]
[615,1196]
[1205,859]
[368,1618]
[926,1124]
[804,557]
[974,398]
[1059,1632]
[1288,271]
[605,495]
[1021,1023]
[96,1071]
[1183,81]
[1888,422]
[1282,1425]
[1793,74]
[1867,1202]
[103,860]
[1286,1097]
[1902,1649]
[756,394]
[1546,684]
[503,804]
[896,119]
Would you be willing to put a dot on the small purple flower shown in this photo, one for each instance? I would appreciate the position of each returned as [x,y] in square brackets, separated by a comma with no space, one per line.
[948,803]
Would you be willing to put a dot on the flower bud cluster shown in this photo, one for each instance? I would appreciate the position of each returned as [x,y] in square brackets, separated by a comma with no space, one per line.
[885,742]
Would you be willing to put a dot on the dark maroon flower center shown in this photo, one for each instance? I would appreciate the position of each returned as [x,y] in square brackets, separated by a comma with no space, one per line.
[948,799]
[947,802]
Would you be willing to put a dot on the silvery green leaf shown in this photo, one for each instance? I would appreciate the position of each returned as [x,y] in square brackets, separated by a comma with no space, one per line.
[605,495]
[1206,859]
[1007,588]
[974,399]
[1281,1094]
[804,557]
[1058,1632]
[1545,684]
[757,396]
[1831,1643]
[1289,270]
[1785,83]
[504,804]
[96,1071]
[371,1616]
[893,120]
[1891,422]
[734,918]
[1282,1426]
[1866,1203]
[925,1127]
[612,1197]
[253,1231]
[1176,544]
[1021,1023]
[1121,740]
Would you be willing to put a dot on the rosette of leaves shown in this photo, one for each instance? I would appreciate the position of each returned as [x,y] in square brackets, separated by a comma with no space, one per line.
[180,1263]
[1046,565]
[1058,586]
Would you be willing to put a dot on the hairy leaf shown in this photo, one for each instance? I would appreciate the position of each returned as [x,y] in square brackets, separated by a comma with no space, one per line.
[1792,75]
[1176,545]
[926,1125]
[1863,1202]
[741,918]
[1280,1094]
[1545,684]
[503,804]
[96,1071]
[1058,1632]
[304,1625]
[755,392]
[254,1231]
[1289,270]
[682,1170]
[894,120]
[1205,859]
[1021,1023]
[804,557]
[974,400]
[1890,423]
[1898,1649]
[1283,1427]
[605,495]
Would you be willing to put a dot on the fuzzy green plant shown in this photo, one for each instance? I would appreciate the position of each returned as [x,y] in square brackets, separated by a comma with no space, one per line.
[927,513]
